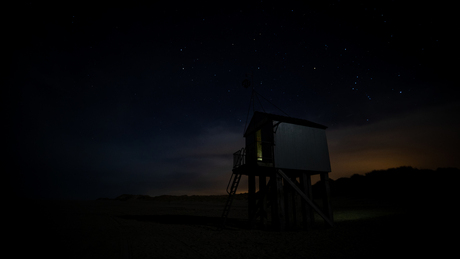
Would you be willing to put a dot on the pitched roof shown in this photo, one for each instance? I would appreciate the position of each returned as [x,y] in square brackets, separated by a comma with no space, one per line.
[260,118]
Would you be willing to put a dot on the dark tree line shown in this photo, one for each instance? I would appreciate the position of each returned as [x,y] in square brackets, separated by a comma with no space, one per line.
[402,183]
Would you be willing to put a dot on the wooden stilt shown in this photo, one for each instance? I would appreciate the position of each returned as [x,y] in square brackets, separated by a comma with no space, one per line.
[263,199]
[307,212]
[294,205]
[288,205]
[251,199]
[278,217]
[326,196]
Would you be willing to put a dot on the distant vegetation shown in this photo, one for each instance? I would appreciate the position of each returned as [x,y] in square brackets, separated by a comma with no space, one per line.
[201,198]
[403,184]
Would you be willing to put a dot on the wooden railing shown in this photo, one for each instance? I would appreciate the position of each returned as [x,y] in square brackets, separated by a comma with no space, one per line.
[249,155]
[239,158]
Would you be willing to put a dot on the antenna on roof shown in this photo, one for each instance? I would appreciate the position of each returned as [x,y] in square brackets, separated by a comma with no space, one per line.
[246,84]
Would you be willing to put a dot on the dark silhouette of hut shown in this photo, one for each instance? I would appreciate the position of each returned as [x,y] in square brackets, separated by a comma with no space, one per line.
[281,150]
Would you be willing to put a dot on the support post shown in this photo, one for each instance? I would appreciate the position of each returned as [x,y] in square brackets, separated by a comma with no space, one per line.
[294,204]
[326,196]
[251,199]
[308,217]
[288,205]
[263,199]
[278,217]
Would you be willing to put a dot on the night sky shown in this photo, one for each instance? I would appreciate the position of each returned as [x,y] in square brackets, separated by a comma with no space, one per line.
[106,99]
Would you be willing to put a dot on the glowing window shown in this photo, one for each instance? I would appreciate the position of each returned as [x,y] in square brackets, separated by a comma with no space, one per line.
[259,145]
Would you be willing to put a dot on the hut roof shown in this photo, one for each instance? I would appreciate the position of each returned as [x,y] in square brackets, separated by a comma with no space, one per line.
[261,118]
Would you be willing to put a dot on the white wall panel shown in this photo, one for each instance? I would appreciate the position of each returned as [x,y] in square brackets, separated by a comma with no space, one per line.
[301,147]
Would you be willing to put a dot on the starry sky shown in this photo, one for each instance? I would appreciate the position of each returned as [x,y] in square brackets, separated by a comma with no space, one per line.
[106,99]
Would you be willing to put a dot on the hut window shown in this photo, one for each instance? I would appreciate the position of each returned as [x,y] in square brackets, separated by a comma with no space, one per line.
[259,145]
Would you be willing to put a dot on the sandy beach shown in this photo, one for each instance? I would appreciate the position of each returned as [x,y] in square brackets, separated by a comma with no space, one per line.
[188,227]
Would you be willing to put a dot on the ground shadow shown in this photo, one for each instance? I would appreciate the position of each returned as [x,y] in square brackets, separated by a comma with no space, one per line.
[189,220]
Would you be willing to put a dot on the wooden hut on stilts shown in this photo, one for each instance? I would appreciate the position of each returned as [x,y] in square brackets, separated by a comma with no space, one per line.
[282,153]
